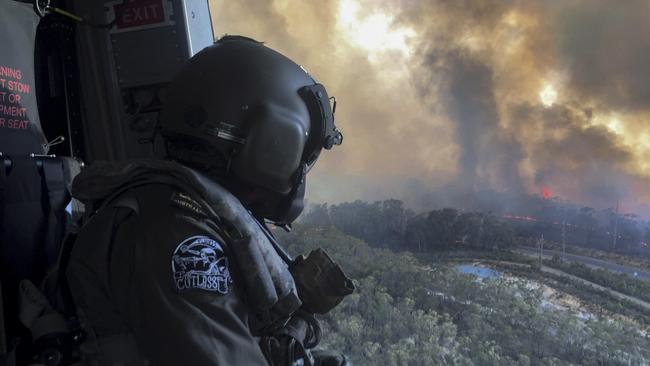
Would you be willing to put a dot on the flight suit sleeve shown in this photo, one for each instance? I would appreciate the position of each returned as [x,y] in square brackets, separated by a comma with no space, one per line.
[181,297]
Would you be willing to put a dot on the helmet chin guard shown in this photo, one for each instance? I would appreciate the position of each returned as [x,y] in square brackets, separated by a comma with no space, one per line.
[294,203]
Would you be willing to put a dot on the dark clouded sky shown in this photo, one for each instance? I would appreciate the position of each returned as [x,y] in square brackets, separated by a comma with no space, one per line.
[506,95]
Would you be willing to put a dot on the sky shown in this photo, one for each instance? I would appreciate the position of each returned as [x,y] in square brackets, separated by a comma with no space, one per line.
[457,96]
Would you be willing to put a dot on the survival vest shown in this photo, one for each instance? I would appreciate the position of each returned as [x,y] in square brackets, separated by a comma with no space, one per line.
[275,294]
[285,322]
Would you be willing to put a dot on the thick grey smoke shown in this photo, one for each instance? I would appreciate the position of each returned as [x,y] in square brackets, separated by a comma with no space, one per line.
[605,47]
[487,155]
[461,110]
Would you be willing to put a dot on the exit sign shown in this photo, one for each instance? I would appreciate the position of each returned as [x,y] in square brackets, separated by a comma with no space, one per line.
[133,15]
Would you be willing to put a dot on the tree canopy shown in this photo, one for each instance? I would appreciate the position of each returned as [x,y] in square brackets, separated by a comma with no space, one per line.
[406,312]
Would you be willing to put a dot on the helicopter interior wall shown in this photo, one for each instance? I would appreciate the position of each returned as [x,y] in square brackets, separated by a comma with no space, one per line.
[125,66]
[57,86]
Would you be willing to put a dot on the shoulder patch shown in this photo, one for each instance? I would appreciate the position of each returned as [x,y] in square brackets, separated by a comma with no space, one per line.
[184,201]
[199,262]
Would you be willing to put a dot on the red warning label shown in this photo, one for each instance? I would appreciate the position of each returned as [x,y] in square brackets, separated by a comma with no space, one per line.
[12,90]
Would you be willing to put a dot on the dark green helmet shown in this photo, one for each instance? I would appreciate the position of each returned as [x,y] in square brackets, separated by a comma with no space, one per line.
[250,116]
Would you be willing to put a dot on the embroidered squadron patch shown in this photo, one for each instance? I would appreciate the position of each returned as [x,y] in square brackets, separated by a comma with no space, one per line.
[200,263]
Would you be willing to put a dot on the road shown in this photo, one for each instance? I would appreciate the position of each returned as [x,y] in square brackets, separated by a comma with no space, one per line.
[591,262]
[617,294]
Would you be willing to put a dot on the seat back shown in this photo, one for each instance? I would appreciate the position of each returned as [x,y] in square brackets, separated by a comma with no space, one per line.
[34,187]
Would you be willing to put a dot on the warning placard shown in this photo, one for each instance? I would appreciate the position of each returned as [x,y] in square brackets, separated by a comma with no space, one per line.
[20,130]
[12,91]
[132,15]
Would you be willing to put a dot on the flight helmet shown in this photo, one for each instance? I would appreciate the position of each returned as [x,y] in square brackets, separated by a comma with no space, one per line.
[253,119]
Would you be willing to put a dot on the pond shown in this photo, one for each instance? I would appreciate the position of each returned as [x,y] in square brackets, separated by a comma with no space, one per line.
[477,270]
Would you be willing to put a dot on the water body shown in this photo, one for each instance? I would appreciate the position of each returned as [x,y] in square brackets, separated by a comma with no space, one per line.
[477,270]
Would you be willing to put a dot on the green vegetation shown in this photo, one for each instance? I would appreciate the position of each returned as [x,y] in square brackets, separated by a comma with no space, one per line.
[622,259]
[616,281]
[602,303]
[387,224]
[483,255]
[405,312]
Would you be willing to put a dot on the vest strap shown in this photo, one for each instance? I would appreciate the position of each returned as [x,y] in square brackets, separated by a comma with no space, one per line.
[53,181]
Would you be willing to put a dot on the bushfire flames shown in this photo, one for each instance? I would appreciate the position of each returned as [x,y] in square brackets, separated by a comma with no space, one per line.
[546,192]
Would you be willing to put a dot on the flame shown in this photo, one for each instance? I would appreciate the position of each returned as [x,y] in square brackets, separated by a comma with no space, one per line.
[546,192]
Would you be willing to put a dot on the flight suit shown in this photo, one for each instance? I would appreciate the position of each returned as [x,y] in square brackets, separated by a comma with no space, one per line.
[154,282]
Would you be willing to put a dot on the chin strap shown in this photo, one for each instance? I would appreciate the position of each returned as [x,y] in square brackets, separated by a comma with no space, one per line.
[286,257]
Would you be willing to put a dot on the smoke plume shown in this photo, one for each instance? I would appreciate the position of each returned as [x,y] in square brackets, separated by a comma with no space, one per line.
[447,98]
